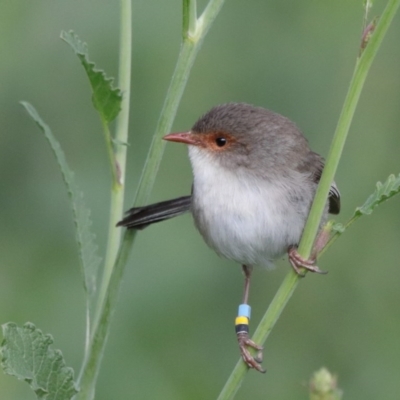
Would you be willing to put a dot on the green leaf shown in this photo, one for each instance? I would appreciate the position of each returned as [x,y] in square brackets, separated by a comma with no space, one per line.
[106,99]
[26,354]
[84,236]
[383,192]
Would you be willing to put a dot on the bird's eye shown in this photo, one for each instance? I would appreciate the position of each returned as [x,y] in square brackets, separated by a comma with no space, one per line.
[220,141]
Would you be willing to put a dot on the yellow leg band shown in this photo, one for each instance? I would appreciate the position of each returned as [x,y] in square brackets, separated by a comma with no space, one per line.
[241,321]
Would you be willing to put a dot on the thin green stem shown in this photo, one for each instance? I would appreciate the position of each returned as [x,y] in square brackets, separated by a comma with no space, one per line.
[111,154]
[185,61]
[119,150]
[360,74]
[367,8]
[337,235]
[102,328]
[190,47]
[291,280]
[117,155]
[263,330]
[189,18]
[186,58]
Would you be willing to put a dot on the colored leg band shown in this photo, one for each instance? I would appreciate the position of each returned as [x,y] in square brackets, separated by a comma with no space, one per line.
[244,311]
[242,320]
[241,329]
[242,325]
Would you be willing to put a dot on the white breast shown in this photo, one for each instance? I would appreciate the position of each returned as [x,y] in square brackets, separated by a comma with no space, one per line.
[244,218]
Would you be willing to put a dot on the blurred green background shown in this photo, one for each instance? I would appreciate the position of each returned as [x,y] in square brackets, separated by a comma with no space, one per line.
[173,335]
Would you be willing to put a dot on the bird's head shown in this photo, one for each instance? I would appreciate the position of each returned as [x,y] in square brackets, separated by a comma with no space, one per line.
[238,136]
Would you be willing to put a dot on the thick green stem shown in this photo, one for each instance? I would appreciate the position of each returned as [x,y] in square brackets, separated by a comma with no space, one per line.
[291,280]
[189,50]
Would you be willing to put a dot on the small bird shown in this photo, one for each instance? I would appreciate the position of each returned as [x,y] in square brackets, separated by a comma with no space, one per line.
[254,179]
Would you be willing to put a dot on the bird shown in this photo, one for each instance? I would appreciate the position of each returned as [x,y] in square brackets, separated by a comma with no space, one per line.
[254,180]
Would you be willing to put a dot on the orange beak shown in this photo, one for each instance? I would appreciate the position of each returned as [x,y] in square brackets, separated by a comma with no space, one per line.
[183,137]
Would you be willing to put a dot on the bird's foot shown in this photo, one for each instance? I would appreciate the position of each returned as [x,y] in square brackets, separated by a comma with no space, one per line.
[252,362]
[298,262]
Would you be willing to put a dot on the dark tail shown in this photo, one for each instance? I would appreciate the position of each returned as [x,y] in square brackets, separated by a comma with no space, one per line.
[140,217]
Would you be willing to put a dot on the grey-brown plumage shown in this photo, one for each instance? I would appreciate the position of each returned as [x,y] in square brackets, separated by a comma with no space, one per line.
[255,178]
[274,139]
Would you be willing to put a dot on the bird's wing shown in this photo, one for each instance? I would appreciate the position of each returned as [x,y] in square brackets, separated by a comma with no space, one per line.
[334,199]
[141,217]
[334,194]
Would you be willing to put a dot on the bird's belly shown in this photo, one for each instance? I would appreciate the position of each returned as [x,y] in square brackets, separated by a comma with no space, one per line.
[250,226]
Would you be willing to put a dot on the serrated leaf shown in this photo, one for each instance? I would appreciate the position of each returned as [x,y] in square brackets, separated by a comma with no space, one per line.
[106,99]
[27,355]
[383,192]
[87,247]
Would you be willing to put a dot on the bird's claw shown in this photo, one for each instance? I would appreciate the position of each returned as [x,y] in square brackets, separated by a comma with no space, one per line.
[252,362]
[298,262]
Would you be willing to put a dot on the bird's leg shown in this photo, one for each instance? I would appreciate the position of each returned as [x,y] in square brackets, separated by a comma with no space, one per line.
[298,262]
[242,327]
[247,275]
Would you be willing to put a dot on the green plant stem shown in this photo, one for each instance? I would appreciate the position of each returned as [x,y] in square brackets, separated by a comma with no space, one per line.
[189,14]
[118,159]
[92,363]
[119,150]
[111,154]
[337,235]
[263,330]
[360,73]
[291,280]
[190,47]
